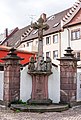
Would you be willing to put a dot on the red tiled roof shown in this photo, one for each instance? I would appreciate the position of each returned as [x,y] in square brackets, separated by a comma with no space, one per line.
[76,19]
[21,53]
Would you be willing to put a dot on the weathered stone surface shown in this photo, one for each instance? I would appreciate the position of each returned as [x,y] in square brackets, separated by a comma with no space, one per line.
[68,77]
[11,77]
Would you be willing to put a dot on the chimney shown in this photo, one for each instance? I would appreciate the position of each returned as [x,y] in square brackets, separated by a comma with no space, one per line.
[6,32]
[43,17]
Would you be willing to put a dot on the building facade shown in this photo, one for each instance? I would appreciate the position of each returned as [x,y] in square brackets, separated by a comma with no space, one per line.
[64,30]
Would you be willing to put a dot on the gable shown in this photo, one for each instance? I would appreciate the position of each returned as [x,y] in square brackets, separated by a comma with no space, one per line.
[71,14]
[76,19]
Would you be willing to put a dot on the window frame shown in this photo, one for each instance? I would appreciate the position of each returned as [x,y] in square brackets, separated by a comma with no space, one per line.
[77,55]
[76,34]
[56,56]
[55,41]
[27,44]
[49,52]
[48,43]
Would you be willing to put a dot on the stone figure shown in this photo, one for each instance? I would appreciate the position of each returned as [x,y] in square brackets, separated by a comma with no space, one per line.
[48,64]
[42,64]
[36,63]
[31,66]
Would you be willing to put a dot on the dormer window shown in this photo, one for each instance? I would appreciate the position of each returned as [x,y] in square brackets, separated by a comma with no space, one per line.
[55,25]
[51,17]
[35,32]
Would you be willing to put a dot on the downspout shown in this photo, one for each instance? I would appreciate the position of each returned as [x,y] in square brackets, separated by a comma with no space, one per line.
[59,44]
[68,37]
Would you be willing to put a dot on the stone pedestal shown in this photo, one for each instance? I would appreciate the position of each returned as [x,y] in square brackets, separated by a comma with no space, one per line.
[11,77]
[68,77]
[39,88]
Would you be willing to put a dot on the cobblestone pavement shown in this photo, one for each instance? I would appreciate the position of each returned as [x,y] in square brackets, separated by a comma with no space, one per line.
[71,114]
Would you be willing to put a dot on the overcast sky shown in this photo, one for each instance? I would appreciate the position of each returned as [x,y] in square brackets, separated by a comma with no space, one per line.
[19,13]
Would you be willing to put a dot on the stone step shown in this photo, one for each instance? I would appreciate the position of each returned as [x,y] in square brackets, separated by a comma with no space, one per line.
[39,108]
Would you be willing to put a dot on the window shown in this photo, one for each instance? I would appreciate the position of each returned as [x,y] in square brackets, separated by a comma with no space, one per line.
[27,44]
[55,38]
[55,25]
[51,17]
[36,42]
[55,54]
[77,55]
[48,54]
[1,68]
[75,35]
[23,45]
[48,40]
[35,31]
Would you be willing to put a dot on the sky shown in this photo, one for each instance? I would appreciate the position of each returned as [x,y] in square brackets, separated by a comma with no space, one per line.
[20,13]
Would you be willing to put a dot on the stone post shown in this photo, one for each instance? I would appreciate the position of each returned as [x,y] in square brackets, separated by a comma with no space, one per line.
[68,77]
[11,77]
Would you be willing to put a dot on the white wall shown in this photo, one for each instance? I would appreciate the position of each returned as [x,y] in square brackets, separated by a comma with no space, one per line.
[51,47]
[79,84]
[1,84]
[54,85]
[75,44]
[64,41]
[24,46]
[25,85]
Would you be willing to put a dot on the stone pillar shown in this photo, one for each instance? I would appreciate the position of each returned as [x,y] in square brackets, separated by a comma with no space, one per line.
[39,88]
[68,77]
[11,77]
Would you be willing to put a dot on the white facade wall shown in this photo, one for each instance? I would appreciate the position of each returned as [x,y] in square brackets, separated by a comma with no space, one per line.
[1,84]
[75,44]
[51,47]
[35,45]
[64,41]
[25,85]
[53,85]
[79,84]
[24,46]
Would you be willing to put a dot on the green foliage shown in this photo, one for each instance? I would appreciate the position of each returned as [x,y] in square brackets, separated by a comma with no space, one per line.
[17,110]
[19,102]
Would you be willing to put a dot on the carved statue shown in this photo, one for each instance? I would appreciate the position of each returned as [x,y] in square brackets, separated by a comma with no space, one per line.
[42,64]
[31,66]
[48,64]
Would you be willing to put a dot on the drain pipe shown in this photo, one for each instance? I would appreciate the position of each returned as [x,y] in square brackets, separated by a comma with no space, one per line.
[59,44]
[68,37]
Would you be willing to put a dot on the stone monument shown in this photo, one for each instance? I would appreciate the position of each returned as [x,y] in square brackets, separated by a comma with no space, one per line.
[41,71]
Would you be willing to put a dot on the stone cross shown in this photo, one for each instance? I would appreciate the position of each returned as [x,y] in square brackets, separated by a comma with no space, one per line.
[40,26]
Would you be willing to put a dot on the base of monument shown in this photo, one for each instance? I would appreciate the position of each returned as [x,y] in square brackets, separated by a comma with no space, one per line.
[40,102]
